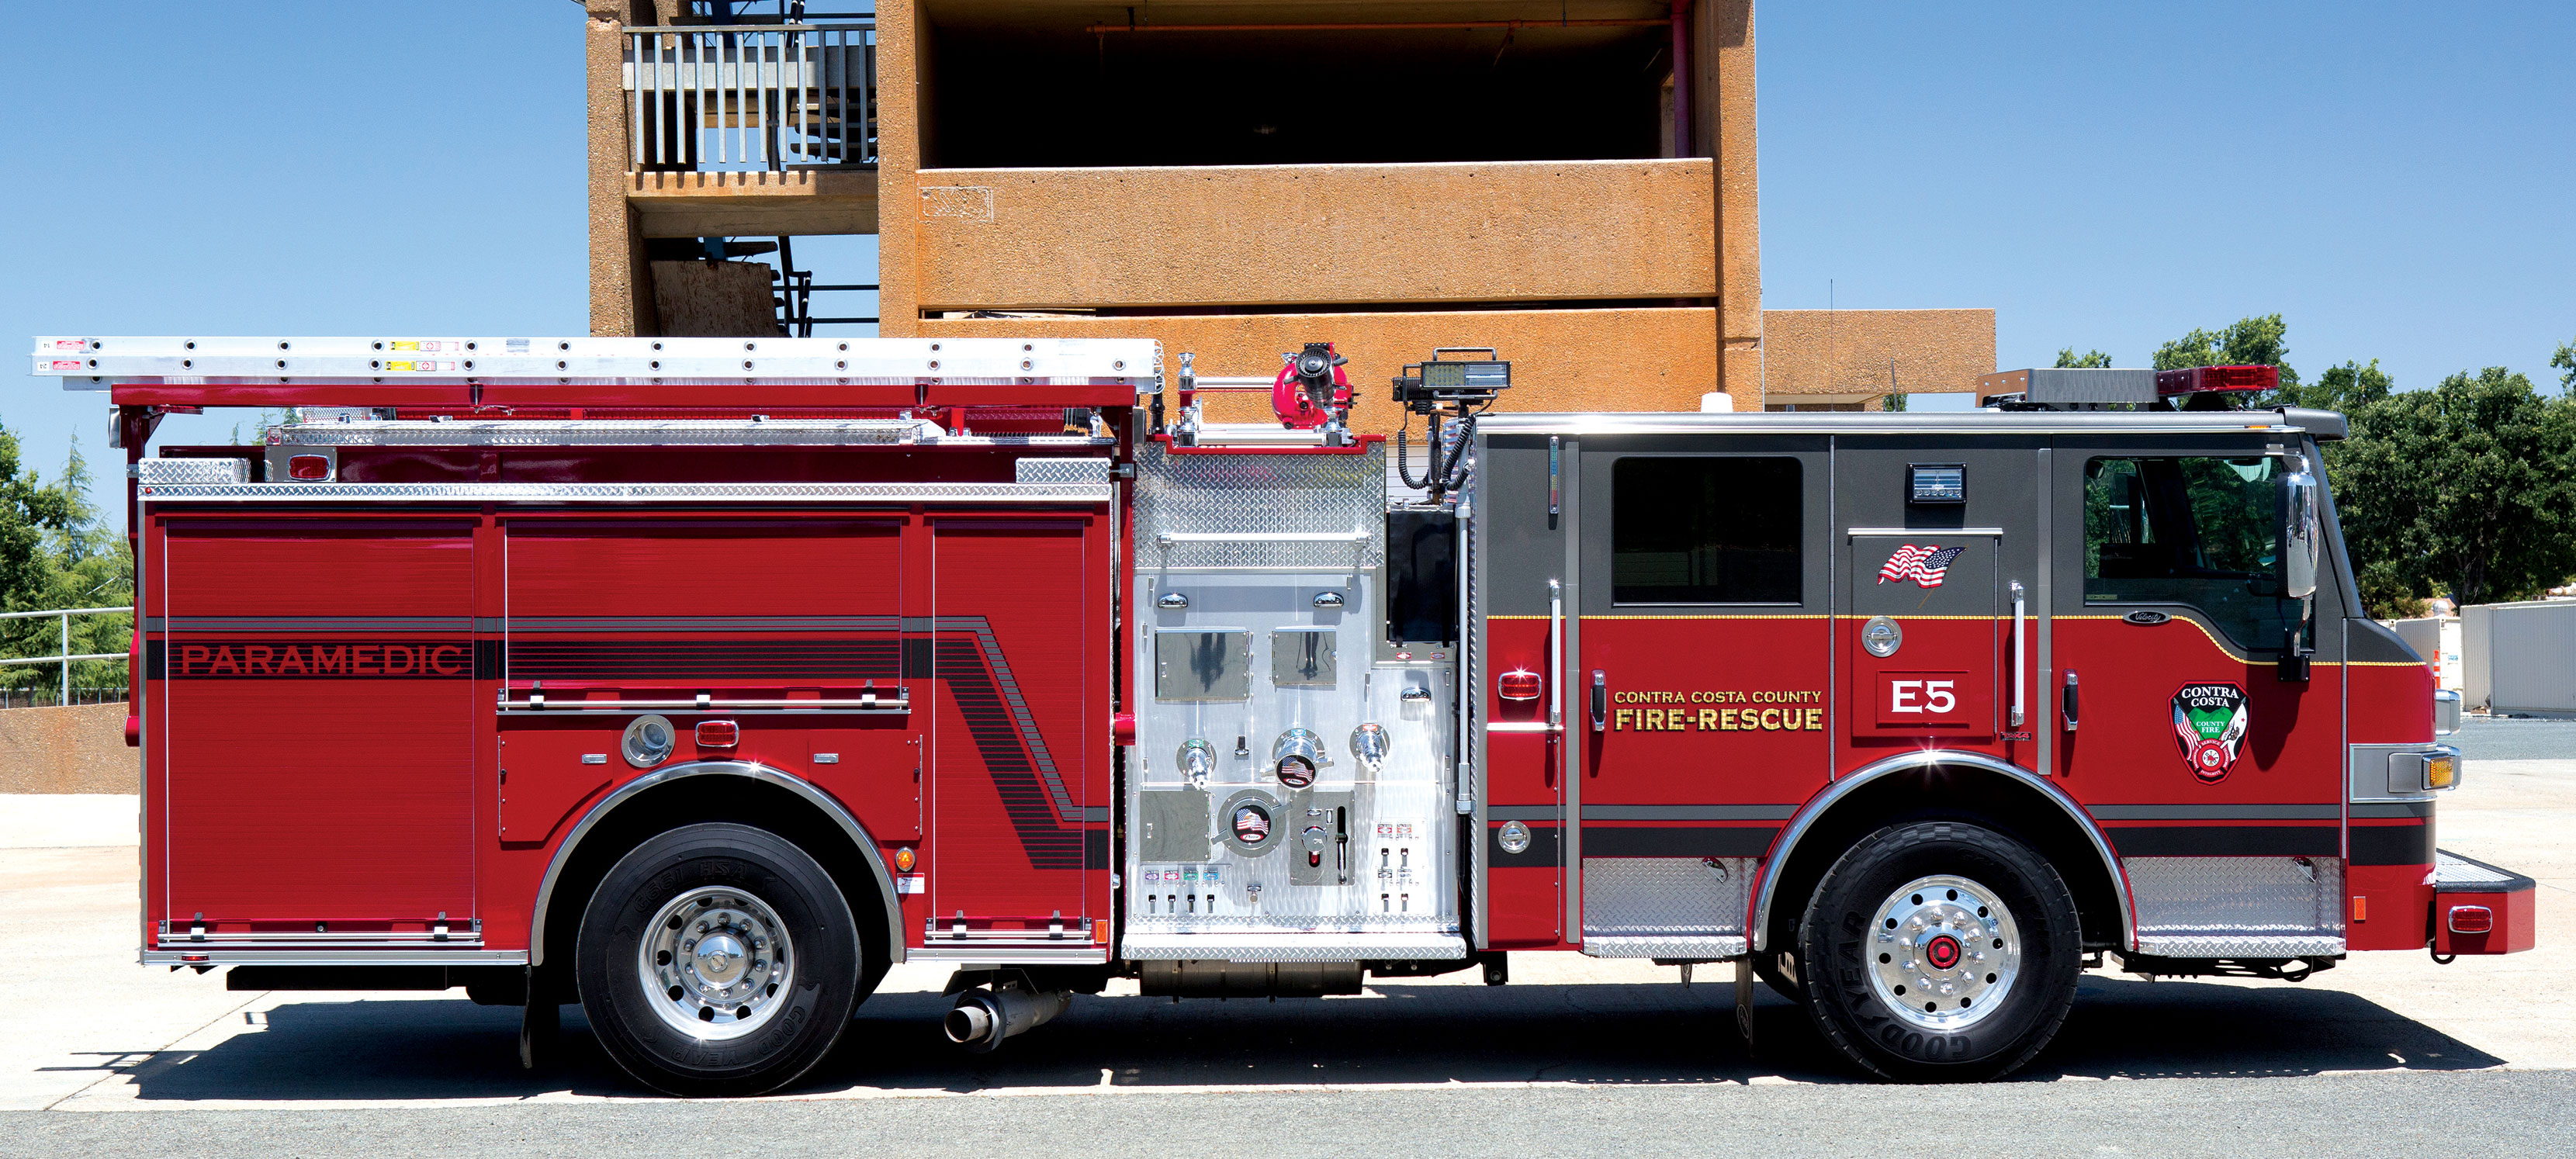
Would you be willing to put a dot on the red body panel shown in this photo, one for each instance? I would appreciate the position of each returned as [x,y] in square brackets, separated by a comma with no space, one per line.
[324,747]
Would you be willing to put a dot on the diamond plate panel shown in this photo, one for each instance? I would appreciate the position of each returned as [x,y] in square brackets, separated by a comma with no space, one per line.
[1291,947]
[164,472]
[2237,900]
[1093,471]
[1664,896]
[1265,498]
[1666,947]
[2239,947]
[2453,871]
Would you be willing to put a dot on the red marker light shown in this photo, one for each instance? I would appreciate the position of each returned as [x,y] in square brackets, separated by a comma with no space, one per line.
[2472,919]
[1517,684]
[309,468]
[718,734]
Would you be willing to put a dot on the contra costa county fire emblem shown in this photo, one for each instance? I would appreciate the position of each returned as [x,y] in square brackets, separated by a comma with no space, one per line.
[2209,723]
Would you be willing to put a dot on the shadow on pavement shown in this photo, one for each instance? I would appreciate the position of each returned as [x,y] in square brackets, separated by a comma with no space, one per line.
[1606,1034]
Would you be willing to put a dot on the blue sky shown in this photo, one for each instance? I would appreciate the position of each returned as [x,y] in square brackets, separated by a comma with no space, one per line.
[2396,181]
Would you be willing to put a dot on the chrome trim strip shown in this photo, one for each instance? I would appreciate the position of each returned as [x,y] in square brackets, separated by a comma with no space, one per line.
[1909,532]
[1012,955]
[1823,802]
[341,956]
[1714,946]
[1523,726]
[1047,493]
[858,835]
[1520,812]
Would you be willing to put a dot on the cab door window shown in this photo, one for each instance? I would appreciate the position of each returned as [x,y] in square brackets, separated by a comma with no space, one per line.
[1713,530]
[2203,531]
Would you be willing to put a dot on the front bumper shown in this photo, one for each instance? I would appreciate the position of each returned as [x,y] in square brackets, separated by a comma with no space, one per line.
[2480,909]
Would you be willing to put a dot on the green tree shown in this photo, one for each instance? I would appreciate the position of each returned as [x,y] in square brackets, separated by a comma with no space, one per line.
[2066,357]
[2565,360]
[55,553]
[2262,341]
[2346,388]
[2467,489]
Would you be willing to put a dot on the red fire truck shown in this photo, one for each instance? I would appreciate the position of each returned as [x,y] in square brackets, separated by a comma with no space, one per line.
[700,681]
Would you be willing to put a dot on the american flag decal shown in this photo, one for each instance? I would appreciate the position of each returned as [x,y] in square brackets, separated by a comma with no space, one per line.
[1924,565]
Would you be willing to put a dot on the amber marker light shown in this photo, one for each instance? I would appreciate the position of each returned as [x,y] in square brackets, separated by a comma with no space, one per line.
[903,860]
[2441,772]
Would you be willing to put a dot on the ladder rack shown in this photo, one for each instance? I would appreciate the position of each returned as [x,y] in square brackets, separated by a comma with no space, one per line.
[484,373]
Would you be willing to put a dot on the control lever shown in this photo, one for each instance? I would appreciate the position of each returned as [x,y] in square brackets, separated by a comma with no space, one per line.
[2070,713]
[1600,700]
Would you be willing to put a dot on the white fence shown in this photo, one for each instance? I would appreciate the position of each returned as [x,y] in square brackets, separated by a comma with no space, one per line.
[65,657]
[2519,658]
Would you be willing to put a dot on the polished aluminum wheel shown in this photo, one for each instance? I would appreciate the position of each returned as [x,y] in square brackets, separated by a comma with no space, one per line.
[1943,952]
[716,963]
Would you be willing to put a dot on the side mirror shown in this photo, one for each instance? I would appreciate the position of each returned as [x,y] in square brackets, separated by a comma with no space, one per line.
[2299,531]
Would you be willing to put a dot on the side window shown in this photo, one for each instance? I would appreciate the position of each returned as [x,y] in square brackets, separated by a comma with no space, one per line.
[2200,530]
[1705,531]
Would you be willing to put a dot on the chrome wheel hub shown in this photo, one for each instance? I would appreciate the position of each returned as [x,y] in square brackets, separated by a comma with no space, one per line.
[716,963]
[1943,952]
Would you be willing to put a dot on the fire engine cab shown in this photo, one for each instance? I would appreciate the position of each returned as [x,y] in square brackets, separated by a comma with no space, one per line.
[700,681]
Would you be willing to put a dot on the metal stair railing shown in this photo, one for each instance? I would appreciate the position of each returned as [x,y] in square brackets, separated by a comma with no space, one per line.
[750,97]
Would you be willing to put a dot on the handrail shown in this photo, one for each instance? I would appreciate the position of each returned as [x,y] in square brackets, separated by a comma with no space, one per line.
[750,97]
[66,657]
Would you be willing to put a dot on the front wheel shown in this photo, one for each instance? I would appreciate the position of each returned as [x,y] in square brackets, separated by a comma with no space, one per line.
[1940,952]
[718,959]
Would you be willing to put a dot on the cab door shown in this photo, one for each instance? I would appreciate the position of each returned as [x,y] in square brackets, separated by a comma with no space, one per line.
[1938,592]
[1699,679]
[2173,721]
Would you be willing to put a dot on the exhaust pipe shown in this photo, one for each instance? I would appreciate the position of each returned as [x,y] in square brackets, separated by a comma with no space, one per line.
[983,1018]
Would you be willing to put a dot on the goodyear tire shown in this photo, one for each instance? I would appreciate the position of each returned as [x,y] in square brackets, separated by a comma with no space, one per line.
[718,959]
[1940,951]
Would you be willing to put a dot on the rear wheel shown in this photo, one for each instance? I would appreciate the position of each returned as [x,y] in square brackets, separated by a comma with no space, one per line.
[1940,952]
[718,959]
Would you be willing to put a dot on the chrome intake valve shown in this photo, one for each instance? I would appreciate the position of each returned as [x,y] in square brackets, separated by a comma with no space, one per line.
[1369,743]
[1295,756]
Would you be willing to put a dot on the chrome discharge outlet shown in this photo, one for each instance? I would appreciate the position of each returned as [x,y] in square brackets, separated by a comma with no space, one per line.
[982,1018]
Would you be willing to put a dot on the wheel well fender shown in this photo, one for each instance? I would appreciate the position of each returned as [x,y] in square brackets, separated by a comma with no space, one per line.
[671,796]
[1943,783]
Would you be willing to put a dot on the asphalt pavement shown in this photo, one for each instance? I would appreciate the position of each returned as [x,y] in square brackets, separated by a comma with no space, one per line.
[2389,1054]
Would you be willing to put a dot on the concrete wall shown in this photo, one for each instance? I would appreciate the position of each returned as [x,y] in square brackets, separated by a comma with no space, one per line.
[1620,359]
[1846,355]
[1262,235]
[2519,657]
[67,750]
[1399,238]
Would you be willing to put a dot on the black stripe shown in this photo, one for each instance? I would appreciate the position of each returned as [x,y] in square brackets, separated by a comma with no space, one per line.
[1677,840]
[977,695]
[154,661]
[2226,840]
[1542,849]
[844,659]
[1095,849]
[1689,812]
[487,659]
[2392,844]
[2328,812]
